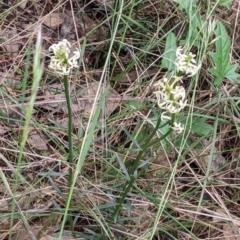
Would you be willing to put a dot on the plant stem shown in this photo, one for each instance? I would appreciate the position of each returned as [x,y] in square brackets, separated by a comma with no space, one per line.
[128,185]
[70,144]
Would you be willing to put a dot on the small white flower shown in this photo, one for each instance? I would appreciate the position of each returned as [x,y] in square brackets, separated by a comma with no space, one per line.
[61,62]
[63,47]
[186,63]
[65,71]
[165,117]
[182,104]
[162,98]
[178,127]
[76,53]
[178,93]
[73,62]
[172,108]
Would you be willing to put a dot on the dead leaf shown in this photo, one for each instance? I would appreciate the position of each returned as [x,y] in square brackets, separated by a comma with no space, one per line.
[37,228]
[47,238]
[55,97]
[63,238]
[10,78]
[23,4]
[64,121]
[82,24]
[88,95]
[11,46]
[24,235]
[134,76]
[53,20]
[3,130]
[218,161]
[230,232]
[36,141]
[203,157]
[82,104]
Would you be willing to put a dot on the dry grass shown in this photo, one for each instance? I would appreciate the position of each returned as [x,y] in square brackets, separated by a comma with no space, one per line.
[125,122]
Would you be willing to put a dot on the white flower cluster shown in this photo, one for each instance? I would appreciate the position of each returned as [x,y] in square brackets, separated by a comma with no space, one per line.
[61,62]
[186,63]
[170,96]
[171,99]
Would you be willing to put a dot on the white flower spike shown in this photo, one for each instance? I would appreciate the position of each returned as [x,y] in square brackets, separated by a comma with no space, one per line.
[171,99]
[61,62]
[186,63]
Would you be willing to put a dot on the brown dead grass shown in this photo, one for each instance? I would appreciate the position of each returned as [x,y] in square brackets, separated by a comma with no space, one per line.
[41,198]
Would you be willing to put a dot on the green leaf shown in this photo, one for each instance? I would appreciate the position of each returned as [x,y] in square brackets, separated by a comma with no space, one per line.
[185,4]
[123,167]
[225,3]
[170,52]
[195,30]
[133,104]
[200,127]
[164,128]
[223,67]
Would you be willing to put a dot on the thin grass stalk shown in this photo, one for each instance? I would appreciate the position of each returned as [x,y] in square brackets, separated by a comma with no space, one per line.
[123,37]
[206,179]
[19,211]
[37,74]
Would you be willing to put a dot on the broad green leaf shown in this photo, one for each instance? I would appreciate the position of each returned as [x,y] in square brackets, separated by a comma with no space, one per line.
[133,104]
[200,127]
[223,68]
[170,52]
[185,4]
[163,129]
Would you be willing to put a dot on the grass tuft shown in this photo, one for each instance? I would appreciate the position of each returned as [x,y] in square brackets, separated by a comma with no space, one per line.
[130,174]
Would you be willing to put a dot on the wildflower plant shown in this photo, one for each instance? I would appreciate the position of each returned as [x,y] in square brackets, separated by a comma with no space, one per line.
[62,62]
[171,97]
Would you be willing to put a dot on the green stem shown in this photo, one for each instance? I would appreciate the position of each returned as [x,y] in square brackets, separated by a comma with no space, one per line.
[128,185]
[70,144]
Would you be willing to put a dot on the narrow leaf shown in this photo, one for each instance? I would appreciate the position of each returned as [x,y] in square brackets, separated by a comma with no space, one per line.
[123,167]
[131,138]
[170,52]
